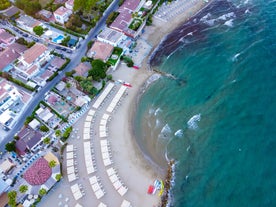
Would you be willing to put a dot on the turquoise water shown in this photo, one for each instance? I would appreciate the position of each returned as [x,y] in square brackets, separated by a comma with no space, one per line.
[58,39]
[217,119]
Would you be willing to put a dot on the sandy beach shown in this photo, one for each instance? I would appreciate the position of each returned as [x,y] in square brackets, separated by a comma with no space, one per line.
[129,161]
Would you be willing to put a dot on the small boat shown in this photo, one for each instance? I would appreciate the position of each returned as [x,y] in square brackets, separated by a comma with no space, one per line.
[127,84]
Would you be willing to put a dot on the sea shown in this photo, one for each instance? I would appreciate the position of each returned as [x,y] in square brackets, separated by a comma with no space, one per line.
[214,110]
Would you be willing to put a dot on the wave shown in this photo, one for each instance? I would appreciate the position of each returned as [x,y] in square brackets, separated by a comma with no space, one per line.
[166,129]
[192,123]
[235,58]
[229,23]
[165,133]
[178,133]
[157,111]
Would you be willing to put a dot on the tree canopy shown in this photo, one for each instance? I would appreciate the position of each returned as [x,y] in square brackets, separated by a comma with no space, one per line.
[10,146]
[23,188]
[98,70]
[30,7]
[84,5]
[12,198]
[38,30]
[4,4]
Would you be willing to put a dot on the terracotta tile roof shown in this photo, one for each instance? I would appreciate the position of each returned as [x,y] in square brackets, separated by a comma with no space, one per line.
[61,11]
[130,4]
[100,50]
[5,36]
[82,69]
[31,69]
[122,21]
[10,54]
[34,52]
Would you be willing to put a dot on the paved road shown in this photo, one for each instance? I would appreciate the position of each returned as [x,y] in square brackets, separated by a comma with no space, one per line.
[75,60]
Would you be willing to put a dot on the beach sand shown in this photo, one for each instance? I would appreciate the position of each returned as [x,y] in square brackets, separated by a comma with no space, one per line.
[134,170]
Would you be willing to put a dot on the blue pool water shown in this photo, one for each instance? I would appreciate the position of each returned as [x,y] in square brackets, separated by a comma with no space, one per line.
[58,39]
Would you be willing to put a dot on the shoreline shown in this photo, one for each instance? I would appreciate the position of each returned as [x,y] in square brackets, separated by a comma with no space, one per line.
[155,41]
[135,168]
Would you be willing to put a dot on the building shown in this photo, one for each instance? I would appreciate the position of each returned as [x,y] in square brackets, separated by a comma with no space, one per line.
[62,14]
[6,166]
[69,4]
[44,114]
[6,38]
[82,69]
[28,140]
[30,62]
[27,23]
[111,36]
[44,14]
[100,50]
[124,19]
[130,5]
[9,55]
[8,96]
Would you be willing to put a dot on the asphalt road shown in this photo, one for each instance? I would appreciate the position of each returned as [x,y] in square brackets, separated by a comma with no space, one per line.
[75,60]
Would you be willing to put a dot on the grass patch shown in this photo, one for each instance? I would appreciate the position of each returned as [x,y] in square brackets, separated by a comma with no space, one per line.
[117,52]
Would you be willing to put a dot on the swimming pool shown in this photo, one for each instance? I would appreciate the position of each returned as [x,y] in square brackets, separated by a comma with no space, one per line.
[58,39]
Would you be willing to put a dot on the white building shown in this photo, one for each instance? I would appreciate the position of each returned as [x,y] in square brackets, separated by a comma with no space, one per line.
[69,4]
[8,95]
[30,62]
[111,36]
[62,14]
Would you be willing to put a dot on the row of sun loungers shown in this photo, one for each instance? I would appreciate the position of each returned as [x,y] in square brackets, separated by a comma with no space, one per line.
[103,95]
[97,187]
[116,99]
[71,170]
[115,180]
[88,158]
[76,191]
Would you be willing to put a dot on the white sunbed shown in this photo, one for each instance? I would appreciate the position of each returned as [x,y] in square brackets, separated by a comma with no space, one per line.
[99,194]
[69,162]
[93,180]
[122,190]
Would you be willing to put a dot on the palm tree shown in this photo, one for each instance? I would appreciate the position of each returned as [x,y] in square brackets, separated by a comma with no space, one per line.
[58,133]
[52,163]
[42,191]
[47,140]
[23,188]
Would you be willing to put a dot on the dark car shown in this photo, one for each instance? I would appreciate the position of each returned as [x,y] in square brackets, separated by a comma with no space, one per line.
[58,47]
[69,51]
[25,35]
[63,49]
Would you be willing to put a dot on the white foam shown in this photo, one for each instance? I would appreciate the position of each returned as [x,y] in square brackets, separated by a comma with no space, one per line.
[157,111]
[227,16]
[229,23]
[192,123]
[151,111]
[157,123]
[166,129]
[178,133]
[235,58]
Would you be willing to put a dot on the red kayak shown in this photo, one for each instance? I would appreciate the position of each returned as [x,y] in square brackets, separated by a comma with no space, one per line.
[127,84]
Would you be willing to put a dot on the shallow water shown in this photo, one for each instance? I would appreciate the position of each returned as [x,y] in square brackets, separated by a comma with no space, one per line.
[220,124]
